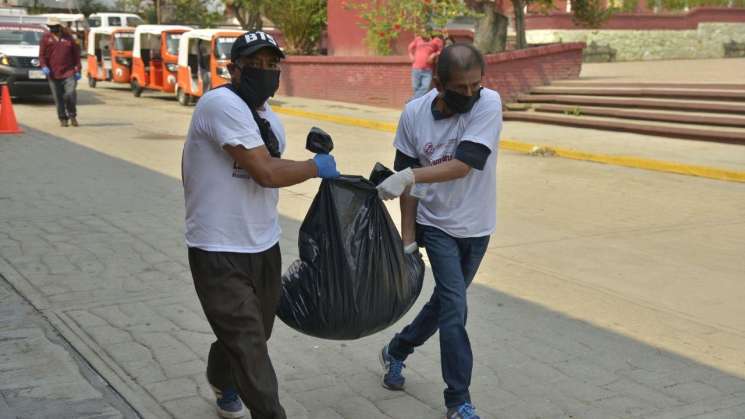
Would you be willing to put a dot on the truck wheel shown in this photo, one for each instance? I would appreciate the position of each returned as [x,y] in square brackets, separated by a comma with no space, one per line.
[136,88]
[91,82]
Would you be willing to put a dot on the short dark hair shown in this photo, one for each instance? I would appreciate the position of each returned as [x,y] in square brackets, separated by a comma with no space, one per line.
[456,58]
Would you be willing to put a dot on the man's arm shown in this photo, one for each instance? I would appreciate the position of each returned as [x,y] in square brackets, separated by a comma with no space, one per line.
[408,206]
[271,172]
[443,172]
[412,49]
[43,51]
[76,51]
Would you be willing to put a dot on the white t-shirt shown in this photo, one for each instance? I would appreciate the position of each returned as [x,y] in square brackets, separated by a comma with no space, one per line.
[226,210]
[465,207]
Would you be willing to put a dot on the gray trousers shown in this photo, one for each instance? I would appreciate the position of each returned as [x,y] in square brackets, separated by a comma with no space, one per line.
[239,293]
[65,97]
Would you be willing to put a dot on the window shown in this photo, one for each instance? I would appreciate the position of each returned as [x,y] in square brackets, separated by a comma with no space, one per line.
[172,41]
[20,37]
[94,22]
[222,48]
[124,41]
[115,21]
[134,21]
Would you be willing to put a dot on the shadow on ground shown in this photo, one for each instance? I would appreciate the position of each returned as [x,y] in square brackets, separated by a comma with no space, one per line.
[530,360]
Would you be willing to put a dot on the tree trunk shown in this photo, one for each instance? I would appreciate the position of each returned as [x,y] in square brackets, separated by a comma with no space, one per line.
[491,31]
[519,7]
[254,20]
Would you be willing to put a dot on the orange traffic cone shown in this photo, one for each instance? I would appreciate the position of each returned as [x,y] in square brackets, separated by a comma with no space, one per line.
[8,123]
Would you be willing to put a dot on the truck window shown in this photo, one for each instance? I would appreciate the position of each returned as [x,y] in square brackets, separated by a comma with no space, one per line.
[94,22]
[134,21]
[115,21]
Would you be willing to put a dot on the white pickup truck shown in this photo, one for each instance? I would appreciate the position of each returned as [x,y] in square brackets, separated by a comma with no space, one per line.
[19,57]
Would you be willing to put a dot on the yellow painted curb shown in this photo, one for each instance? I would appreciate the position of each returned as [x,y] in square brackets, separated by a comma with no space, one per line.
[521,147]
[339,119]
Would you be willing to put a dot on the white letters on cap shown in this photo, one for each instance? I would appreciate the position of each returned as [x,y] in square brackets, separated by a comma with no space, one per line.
[254,36]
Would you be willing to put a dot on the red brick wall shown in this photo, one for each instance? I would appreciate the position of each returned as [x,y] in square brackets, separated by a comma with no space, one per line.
[386,81]
[642,21]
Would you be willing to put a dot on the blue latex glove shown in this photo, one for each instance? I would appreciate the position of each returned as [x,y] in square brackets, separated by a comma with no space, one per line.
[326,166]
[77,76]
[46,71]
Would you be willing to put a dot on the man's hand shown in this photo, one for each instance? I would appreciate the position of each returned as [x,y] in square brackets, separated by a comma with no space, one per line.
[77,76]
[46,71]
[395,185]
[326,166]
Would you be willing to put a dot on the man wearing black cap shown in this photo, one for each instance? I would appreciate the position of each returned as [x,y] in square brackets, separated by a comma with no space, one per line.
[231,168]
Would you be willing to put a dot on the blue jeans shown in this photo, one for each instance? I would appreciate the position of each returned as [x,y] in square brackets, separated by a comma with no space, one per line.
[65,97]
[454,264]
[420,81]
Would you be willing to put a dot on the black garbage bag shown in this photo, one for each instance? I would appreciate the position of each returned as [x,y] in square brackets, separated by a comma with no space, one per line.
[353,278]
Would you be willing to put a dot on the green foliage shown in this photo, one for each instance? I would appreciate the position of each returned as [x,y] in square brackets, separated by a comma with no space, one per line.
[385,20]
[194,12]
[88,7]
[590,13]
[681,5]
[248,12]
[301,23]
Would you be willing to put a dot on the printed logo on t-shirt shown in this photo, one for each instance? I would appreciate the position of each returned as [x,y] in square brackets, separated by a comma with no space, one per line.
[239,171]
[440,153]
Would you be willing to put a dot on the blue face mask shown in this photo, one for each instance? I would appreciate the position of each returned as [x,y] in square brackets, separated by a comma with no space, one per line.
[459,103]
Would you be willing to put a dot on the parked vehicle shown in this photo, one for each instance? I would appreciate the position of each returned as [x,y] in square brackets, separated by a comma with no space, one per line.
[203,57]
[19,56]
[155,58]
[110,55]
[116,20]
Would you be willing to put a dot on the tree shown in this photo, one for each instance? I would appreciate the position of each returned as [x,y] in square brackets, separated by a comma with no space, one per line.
[248,13]
[195,12]
[385,20]
[301,23]
[88,7]
[590,13]
[491,30]
[519,7]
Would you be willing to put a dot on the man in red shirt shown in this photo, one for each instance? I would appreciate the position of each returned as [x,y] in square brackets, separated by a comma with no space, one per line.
[423,52]
[59,57]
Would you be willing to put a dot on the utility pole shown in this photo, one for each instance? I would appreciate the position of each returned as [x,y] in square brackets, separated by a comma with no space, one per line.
[157,11]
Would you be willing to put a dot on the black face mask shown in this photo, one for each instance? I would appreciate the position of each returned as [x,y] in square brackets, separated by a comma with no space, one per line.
[55,29]
[459,103]
[258,85]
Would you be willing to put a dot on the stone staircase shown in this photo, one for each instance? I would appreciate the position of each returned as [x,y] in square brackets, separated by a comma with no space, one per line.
[700,111]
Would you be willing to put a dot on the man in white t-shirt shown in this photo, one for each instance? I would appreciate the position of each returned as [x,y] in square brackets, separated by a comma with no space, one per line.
[231,168]
[446,158]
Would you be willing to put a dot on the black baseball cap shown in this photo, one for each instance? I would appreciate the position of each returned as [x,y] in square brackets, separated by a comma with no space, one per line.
[250,42]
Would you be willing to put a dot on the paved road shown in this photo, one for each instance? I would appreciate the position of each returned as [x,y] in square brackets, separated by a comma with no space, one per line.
[606,292]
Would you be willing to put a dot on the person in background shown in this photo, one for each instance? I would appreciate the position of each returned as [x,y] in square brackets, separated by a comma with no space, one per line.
[423,52]
[59,57]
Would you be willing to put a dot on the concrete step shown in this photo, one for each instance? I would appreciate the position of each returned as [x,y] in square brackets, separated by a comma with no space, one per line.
[696,118]
[685,131]
[650,92]
[640,103]
[633,85]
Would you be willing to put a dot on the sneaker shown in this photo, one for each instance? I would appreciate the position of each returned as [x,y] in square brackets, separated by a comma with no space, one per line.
[229,404]
[63,122]
[392,379]
[74,121]
[464,411]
